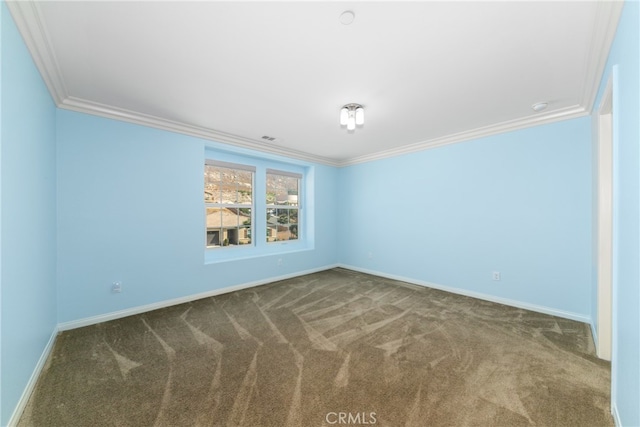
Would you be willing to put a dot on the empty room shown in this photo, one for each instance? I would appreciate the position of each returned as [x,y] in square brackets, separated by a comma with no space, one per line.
[308,213]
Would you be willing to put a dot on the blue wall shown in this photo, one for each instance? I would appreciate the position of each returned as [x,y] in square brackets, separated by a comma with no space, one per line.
[625,56]
[130,209]
[28,224]
[518,203]
[86,201]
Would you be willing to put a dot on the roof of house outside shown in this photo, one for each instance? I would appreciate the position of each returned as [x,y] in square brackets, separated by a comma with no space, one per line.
[230,218]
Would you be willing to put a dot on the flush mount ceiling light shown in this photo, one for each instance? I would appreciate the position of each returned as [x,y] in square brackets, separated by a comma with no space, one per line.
[539,106]
[352,115]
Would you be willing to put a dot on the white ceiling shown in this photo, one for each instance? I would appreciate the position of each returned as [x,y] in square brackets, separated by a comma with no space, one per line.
[427,73]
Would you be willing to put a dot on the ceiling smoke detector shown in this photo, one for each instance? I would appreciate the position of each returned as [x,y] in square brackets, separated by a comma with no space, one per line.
[347,17]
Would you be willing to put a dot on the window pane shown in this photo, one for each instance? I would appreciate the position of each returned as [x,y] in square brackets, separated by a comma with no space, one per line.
[211,184]
[245,182]
[245,216]
[272,233]
[245,196]
[213,238]
[283,232]
[271,196]
[225,189]
[271,216]
[293,231]
[291,187]
[282,190]
[229,193]
[276,190]
[214,218]
[282,193]
[283,216]
[232,237]
[214,191]
[245,236]
[214,227]
[271,183]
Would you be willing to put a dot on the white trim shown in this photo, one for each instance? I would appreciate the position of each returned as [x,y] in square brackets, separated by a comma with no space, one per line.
[65,326]
[567,113]
[110,112]
[604,220]
[513,303]
[103,110]
[616,415]
[594,333]
[604,30]
[615,108]
[88,107]
[31,384]
[28,19]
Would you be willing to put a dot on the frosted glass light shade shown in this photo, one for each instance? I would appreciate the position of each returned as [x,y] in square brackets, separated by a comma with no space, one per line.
[359,116]
[351,122]
[344,116]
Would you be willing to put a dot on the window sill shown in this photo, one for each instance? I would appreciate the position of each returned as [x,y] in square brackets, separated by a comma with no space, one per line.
[225,254]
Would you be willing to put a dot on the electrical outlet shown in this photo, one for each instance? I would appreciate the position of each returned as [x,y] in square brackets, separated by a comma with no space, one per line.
[279,261]
[370,255]
[116,287]
[496,275]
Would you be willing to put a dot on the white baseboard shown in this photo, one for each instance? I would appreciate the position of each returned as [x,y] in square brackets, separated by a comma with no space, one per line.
[594,335]
[615,415]
[65,326]
[513,303]
[31,384]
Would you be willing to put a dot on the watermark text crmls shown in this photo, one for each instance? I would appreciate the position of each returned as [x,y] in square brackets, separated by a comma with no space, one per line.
[353,418]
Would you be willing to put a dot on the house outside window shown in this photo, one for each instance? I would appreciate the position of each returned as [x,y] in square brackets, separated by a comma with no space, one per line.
[228,197]
[283,205]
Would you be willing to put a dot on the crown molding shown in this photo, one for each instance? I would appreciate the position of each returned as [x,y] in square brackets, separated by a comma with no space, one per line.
[602,35]
[508,126]
[28,19]
[97,109]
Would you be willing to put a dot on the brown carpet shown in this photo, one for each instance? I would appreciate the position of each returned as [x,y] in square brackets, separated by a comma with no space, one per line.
[331,348]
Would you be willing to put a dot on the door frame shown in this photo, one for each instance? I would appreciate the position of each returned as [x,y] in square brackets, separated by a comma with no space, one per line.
[604,222]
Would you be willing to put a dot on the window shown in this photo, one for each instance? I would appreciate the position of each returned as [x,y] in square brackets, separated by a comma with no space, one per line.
[283,205]
[238,191]
[228,197]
